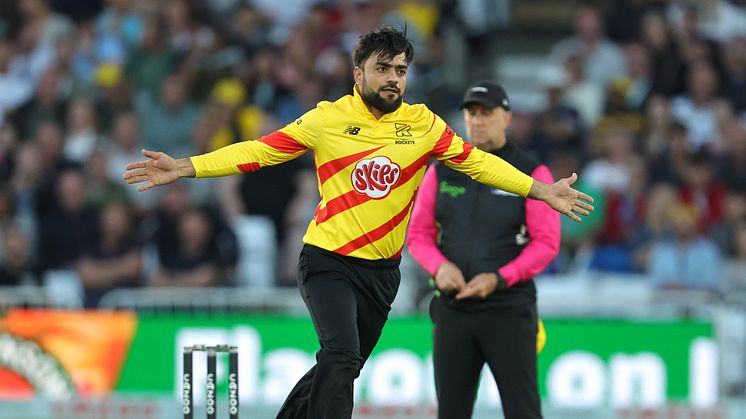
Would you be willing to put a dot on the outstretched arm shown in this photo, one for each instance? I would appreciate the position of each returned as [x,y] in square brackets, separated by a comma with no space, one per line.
[246,156]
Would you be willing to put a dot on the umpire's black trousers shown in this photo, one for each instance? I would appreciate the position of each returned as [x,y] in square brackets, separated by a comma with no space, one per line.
[349,300]
[504,338]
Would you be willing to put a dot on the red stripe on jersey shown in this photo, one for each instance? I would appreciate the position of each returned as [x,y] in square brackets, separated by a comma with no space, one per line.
[398,253]
[431,125]
[333,167]
[377,233]
[353,198]
[249,167]
[444,142]
[283,142]
[339,204]
[464,154]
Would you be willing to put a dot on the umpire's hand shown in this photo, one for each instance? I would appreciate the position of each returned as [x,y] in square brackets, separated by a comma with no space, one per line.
[480,286]
[449,277]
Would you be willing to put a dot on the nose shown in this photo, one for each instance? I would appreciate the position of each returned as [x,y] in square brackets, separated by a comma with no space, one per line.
[391,78]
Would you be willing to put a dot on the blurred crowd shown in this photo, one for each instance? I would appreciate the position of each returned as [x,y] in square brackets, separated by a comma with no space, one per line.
[650,110]
[646,100]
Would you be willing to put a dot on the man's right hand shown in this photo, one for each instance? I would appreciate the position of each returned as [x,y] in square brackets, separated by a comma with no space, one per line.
[159,169]
[449,277]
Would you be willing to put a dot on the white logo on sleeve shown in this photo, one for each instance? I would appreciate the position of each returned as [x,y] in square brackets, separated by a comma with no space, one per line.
[375,177]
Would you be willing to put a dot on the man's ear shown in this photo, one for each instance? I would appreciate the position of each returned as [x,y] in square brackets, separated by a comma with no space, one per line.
[357,75]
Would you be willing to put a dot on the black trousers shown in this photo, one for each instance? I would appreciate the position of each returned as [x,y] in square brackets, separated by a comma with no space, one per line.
[349,300]
[504,338]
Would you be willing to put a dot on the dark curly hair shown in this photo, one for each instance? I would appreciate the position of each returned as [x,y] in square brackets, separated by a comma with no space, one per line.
[387,42]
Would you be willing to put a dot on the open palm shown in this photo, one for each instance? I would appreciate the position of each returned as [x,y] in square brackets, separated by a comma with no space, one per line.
[566,200]
[159,169]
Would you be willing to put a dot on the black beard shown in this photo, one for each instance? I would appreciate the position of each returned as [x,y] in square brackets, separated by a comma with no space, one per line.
[375,100]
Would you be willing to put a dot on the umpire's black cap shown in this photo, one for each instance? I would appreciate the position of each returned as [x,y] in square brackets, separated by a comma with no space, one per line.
[488,94]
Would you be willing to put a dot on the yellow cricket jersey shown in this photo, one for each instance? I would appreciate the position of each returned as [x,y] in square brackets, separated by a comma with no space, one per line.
[368,169]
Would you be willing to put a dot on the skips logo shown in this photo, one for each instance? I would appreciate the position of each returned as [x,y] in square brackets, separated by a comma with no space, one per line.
[375,177]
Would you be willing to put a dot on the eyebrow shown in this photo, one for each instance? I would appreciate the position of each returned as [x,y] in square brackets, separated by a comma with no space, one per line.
[387,65]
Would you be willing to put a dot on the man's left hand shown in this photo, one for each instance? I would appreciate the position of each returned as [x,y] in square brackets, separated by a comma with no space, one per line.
[562,197]
[480,286]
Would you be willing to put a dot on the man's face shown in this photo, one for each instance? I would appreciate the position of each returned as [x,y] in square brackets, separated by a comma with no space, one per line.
[485,126]
[382,82]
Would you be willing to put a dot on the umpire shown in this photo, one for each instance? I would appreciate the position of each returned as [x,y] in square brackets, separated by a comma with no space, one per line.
[483,246]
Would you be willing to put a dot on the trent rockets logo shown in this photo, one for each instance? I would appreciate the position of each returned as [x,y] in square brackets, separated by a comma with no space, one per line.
[375,177]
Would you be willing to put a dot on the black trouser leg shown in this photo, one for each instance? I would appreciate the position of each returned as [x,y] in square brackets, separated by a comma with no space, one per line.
[457,361]
[349,307]
[508,339]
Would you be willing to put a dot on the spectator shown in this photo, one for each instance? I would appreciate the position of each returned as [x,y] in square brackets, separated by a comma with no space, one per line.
[249,29]
[184,35]
[13,217]
[220,246]
[8,146]
[124,148]
[152,62]
[667,68]
[657,126]
[558,125]
[660,197]
[33,57]
[120,20]
[624,219]
[732,164]
[38,13]
[582,94]
[722,20]
[638,78]
[693,44]
[16,267]
[102,189]
[75,75]
[45,106]
[602,59]
[695,109]
[226,117]
[194,262]
[116,259]
[703,190]
[613,170]
[72,219]
[168,123]
[734,58]
[82,137]
[26,180]
[114,95]
[687,260]
[263,88]
[671,160]
[16,88]
[50,151]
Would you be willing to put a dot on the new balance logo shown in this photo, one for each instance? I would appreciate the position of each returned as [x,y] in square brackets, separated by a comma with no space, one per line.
[351,130]
[402,130]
